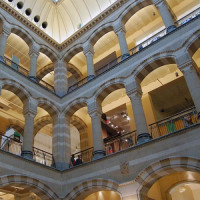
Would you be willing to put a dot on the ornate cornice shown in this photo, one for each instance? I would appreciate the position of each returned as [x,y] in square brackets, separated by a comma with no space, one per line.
[72,38]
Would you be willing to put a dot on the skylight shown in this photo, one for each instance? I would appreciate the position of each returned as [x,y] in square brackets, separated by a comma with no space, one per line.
[55,1]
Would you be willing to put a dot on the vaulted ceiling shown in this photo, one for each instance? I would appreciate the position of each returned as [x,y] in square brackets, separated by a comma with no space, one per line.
[64,17]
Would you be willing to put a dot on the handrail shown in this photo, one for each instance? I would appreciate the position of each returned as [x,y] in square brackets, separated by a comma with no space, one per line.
[18,68]
[179,121]
[138,48]
[85,150]
[165,119]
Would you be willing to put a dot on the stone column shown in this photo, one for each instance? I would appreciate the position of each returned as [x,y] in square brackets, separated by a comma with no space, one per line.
[89,52]
[120,32]
[61,141]
[30,111]
[165,14]
[60,78]
[134,92]
[33,53]
[94,111]
[6,30]
[186,66]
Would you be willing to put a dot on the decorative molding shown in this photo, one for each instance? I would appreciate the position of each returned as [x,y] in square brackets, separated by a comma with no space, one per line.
[124,168]
[73,37]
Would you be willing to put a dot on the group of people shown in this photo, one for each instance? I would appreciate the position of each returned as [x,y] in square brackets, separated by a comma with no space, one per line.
[75,162]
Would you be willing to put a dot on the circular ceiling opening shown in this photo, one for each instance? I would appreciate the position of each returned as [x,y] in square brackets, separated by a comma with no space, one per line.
[37,18]
[10,0]
[28,11]
[20,5]
[44,25]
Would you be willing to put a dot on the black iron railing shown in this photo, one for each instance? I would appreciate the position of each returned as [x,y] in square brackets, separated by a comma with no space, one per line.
[139,47]
[43,157]
[14,145]
[120,142]
[10,144]
[179,121]
[25,73]
[85,156]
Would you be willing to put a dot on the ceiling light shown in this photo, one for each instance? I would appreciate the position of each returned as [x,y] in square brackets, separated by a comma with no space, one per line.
[128,118]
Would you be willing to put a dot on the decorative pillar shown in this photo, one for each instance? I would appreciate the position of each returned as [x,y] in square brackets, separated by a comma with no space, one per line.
[6,30]
[120,31]
[60,78]
[166,15]
[89,52]
[186,66]
[95,112]
[134,92]
[33,53]
[61,141]
[30,111]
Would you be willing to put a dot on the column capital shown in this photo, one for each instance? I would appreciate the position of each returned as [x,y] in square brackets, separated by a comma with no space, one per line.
[30,107]
[184,61]
[34,50]
[133,88]
[6,30]
[88,49]
[94,108]
[119,27]
[59,62]
[159,3]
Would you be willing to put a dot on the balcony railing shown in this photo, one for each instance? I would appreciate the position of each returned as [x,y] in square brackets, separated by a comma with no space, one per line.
[25,73]
[138,48]
[111,64]
[120,142]
[85,155]
[14,146]
[179,121]
[43,157]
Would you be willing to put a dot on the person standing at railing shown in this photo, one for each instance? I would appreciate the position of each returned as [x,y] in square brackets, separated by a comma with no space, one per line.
[72,161]
[79,160]
[187,121]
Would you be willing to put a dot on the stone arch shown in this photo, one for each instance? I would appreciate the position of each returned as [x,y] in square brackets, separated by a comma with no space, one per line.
[49,68]
[82,128]
[42,122]
[105,89]
[49,53]
[193,43]
[70,54]
[84,189]
[18,89]
[19,31]
[99,33]
[130,10]
[39,188]
[16,125]
[74,106]
[155,171]
[154,62]
[48,106]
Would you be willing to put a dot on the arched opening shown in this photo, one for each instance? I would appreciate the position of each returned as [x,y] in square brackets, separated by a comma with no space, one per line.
[11,118]
[166,99]
[103,195]
[43,134]
[106,48]
[142,25]
[178,185]
[80,132]
[118,127]
[18,54]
